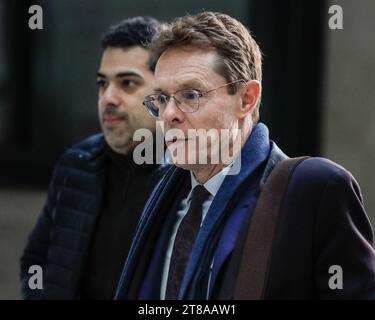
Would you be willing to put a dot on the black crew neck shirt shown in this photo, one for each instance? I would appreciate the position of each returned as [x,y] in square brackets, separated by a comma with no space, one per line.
[126,190]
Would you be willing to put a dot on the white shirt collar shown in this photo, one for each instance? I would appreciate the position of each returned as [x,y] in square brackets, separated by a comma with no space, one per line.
[213,184]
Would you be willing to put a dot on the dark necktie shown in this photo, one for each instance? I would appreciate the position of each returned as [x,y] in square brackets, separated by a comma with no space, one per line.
[185,237]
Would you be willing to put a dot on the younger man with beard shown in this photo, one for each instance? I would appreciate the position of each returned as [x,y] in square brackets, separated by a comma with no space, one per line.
[97,191]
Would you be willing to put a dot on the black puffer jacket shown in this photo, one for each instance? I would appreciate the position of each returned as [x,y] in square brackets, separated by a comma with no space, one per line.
[61,237]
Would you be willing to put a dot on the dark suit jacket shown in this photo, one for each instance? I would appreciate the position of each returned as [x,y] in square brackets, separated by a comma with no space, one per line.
[322,224]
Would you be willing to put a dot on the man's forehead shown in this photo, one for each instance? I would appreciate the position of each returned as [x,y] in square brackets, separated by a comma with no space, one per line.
[116,60]
[178,67]
[188,81]
[186,57]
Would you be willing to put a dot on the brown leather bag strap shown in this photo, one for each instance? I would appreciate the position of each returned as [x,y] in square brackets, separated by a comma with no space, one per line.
[256,256]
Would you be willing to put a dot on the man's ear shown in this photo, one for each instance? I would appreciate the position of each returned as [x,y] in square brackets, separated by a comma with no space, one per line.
[250,95]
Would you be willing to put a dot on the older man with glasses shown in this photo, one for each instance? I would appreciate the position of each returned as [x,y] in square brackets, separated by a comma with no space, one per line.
[190,242]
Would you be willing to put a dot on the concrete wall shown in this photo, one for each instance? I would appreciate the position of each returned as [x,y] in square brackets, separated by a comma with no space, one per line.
[349,104]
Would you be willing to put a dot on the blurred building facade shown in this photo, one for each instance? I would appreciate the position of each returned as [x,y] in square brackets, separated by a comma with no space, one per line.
[348,129]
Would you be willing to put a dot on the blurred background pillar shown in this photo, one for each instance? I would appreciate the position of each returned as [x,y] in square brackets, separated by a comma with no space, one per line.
[348,126]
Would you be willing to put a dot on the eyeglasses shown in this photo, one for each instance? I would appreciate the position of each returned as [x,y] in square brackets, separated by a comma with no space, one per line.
[187,100]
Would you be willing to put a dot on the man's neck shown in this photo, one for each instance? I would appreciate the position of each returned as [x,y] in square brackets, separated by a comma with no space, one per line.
[202,175]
